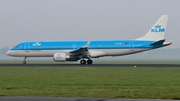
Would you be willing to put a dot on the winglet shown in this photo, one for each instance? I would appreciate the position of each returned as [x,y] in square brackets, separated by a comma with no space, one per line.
[82,49]
[87,44]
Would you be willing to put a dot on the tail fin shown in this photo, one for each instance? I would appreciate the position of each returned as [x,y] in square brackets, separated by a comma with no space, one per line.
[157,31]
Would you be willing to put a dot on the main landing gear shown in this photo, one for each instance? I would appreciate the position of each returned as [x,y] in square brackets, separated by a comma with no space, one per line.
[24,62]
[83,62]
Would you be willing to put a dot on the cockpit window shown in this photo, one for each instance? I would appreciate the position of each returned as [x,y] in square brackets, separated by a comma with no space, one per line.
[17,46]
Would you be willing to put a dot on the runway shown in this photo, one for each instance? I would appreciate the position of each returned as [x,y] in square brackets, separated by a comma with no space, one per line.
[71,99]
[93,65]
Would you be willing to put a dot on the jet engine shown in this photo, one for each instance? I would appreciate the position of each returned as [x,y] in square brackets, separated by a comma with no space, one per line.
[60,57]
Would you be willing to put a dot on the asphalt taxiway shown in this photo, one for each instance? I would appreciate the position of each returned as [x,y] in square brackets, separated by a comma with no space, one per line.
[93,65]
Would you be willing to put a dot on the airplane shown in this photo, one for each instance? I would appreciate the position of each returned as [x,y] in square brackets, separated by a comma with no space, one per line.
[62,51]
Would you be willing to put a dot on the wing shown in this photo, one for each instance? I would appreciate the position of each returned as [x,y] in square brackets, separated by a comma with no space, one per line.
[82,52]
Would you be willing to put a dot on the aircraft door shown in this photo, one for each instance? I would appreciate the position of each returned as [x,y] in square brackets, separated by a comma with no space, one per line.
[131,45]
[74,46]
[26,47]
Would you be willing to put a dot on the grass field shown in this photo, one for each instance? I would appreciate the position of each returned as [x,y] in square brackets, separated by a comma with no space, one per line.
[100,82]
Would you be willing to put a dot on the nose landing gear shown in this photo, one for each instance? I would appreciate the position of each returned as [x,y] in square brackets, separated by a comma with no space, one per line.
[24,62]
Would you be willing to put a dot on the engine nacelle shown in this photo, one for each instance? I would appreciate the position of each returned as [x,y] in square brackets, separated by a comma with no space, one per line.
[60,57]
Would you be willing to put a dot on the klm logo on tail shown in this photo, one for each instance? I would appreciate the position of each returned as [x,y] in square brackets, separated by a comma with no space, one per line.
[158,28]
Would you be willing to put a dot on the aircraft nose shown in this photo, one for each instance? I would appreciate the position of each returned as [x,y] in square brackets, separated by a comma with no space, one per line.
[8,52]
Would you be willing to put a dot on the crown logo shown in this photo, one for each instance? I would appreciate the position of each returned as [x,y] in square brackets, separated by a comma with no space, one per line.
[157,26]
[36,44]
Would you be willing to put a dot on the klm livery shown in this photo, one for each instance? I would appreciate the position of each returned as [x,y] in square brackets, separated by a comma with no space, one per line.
[84,51]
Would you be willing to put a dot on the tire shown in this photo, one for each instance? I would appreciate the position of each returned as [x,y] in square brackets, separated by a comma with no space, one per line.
[83,62]
[89,62]
[24,62]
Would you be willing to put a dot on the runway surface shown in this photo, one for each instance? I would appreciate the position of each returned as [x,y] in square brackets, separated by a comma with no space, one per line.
[93,65]
[71,99]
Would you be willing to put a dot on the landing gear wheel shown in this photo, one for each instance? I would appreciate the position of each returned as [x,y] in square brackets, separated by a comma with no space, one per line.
[24,62]
[89,62]
[83,62]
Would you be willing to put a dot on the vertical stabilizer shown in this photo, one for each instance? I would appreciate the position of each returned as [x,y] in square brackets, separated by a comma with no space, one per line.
[157,31]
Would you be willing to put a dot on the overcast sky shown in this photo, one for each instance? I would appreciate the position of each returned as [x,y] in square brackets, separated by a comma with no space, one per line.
[41,20]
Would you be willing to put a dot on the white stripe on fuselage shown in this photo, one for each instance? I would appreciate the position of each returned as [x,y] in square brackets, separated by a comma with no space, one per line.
[93,52]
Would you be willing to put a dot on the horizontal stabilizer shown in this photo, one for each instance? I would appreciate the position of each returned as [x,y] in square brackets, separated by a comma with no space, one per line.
[158,43]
